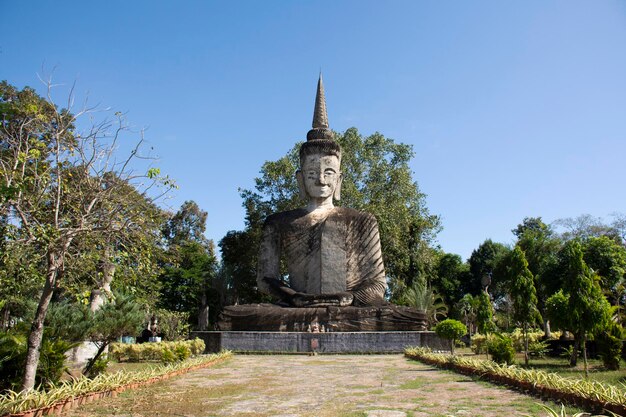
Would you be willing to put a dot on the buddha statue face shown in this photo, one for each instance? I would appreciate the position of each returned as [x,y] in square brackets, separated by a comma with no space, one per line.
[320,177]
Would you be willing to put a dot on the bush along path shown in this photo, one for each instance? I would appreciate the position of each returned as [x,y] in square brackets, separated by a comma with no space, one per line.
[589,395]
[83,390]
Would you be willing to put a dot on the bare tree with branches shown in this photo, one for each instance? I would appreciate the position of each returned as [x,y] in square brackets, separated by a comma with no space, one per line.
[60,184]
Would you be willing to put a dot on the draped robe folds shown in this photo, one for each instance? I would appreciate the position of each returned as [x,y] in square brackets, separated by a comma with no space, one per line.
[330,252]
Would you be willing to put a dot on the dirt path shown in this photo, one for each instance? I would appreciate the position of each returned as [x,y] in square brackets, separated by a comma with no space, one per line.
[346,385]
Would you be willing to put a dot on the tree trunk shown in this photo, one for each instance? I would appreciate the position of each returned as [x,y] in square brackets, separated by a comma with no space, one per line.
[93,360]
[585,355]
[452,346]
[203,315]
[6,317]
[526,359]
[573,360]
[36,331]
[108,272]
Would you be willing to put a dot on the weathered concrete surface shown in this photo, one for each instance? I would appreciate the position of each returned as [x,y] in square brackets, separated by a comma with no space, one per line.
[349,342]
[333,254]
[320,386]
[273,318]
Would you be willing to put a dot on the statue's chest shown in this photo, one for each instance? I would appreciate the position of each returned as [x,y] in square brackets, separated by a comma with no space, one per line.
[316,255]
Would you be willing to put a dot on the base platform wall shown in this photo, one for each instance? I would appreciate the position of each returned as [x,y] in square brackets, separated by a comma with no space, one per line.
[303,342]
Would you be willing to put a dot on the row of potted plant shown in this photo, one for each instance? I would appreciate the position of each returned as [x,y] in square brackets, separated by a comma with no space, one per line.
[83,390]
[591,395]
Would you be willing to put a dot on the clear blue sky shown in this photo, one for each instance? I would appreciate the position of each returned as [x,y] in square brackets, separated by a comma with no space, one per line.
[514,109]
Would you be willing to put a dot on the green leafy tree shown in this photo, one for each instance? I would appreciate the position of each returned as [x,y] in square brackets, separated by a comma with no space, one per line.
[450,273]
[239,263]
[451,330]
[120,317]
[610,343]
[483,261]
[466,309]
[186,281]
[523,293]
[501,349]
[607,258]
[188,224]
[580,306]
[21,279]
[484,313]
[57,185]
[540,246]
[190,267]
[422,297]
[369,165]
[531,225]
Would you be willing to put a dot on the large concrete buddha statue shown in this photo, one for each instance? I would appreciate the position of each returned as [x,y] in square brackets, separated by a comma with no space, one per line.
[333,256]
[332,253]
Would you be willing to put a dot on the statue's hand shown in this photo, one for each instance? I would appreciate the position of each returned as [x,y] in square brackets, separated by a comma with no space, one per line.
[341,299]
[301,299]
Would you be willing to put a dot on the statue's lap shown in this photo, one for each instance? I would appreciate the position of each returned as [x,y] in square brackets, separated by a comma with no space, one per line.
[269,317]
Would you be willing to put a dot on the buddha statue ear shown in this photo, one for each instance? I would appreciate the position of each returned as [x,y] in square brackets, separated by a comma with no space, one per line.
[301,189]
[337,194]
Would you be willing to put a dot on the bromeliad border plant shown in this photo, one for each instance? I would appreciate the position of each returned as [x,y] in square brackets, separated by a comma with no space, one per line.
[585,393]
[84,389]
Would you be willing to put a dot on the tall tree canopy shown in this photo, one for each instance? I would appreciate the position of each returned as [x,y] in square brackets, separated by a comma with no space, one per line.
[190,266]
[579,306]
[60,186]
[540,246]
[484,261]
[523,293]
[377,179]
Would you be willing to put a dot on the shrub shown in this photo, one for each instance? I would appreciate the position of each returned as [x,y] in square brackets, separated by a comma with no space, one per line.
[52,361]
[538,349]
[167,356]
[155,351]
[173,325]
[197,346]
[517,336]
[182,351]
[479,343]
[610,342]
[451,330]
[51,364]
[501,349]
[99,366]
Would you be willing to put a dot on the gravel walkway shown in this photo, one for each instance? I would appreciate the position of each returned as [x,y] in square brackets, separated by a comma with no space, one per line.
[342,385]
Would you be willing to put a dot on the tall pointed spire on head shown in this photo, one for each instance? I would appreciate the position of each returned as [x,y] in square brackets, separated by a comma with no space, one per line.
[320,117]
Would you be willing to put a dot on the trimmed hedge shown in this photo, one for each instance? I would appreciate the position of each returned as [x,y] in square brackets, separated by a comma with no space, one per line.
[156,351]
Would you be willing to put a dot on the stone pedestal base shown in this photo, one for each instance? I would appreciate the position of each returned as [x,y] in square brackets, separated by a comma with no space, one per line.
[299,342]
[272,318]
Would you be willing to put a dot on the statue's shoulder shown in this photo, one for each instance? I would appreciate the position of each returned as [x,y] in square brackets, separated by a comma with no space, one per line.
[350,214]
[284,217]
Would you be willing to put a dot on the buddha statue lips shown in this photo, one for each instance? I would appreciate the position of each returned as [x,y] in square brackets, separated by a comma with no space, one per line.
[333,254]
